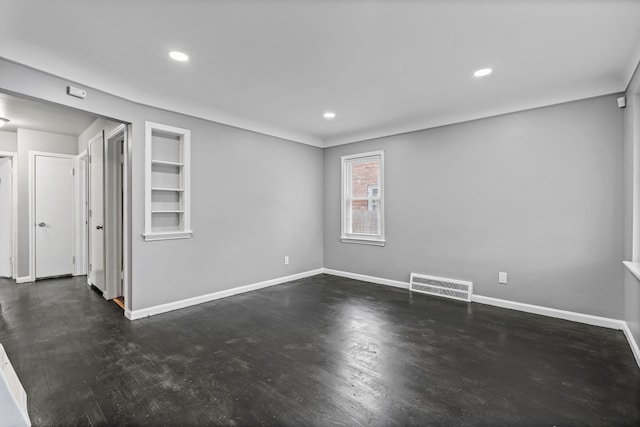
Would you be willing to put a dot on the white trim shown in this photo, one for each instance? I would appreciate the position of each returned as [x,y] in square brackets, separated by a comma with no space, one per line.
[24,279]
[632,342]
[536,309]
[14,201]
[32,194]
[172,235]
[126,217]
[588,319]
[80,209]
[365,278]
[633,267]
[163,308]
[184,135]
[371,242]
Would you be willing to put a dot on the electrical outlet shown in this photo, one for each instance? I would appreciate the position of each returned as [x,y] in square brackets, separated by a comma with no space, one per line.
[502,277]
[286,259]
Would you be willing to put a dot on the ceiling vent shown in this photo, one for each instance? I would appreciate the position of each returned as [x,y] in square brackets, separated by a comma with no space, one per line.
[439,286]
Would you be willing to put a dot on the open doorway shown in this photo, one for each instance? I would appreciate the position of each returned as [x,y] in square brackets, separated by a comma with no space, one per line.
[49,147]
[105,212]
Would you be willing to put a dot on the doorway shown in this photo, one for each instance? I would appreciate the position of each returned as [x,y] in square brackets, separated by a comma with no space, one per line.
[47,136]
[106,205]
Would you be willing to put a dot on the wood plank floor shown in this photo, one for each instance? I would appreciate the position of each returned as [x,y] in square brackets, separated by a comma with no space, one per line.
[316,352]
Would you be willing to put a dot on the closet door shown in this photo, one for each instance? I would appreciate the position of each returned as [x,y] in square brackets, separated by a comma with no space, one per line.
[96,213]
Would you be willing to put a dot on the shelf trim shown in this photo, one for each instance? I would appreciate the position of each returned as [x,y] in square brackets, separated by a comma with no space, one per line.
[167,211]
[167,235]
[167,189]
[167,163]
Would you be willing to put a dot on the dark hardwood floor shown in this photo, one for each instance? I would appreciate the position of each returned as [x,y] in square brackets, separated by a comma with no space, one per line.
[315,352]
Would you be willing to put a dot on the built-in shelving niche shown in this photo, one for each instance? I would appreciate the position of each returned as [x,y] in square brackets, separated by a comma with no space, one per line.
[167,207]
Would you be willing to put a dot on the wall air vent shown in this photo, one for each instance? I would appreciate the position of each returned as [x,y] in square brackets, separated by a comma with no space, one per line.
[439,286]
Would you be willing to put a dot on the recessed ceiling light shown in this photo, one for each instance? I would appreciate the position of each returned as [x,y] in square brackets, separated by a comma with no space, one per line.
[483,72]
[179,56]
[329,115]
[3,121]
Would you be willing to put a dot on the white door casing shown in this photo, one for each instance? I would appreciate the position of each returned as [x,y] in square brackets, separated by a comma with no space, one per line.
[81,206]
[96,274]
[53,214]
[6,217]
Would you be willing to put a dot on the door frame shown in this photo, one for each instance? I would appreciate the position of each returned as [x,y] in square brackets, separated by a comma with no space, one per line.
[112,270]
[14,204]
[80,200]
[32,203]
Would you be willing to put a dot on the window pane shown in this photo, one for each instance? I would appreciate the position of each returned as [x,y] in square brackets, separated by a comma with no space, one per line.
[363,177]
[364,217]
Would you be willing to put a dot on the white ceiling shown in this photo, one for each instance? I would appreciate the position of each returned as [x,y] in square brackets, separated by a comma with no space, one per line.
[274,66]
[35,115]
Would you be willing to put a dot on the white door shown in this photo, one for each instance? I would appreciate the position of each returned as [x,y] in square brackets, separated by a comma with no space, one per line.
[113,201]
[6,218]
[53,216]
[96,213]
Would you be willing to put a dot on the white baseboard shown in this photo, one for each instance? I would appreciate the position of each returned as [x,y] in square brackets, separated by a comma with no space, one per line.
[365,278]
[529,308]
[24,279]
[163,308]
[632,342]
[588,319]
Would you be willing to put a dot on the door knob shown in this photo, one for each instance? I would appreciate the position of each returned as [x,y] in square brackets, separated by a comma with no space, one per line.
[42,224]
[98,227]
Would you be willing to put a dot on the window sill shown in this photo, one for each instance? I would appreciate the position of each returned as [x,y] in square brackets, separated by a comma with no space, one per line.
[633,267]
[363,241]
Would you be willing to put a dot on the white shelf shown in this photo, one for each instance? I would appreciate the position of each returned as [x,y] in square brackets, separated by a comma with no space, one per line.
[168,236]
[179,190]
[167,183]
[167,163]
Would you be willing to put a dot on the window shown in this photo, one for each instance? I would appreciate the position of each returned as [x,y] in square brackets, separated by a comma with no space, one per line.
[363,198]
[373,197]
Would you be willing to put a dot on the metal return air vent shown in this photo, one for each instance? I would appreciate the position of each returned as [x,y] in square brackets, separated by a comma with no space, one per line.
[439,286]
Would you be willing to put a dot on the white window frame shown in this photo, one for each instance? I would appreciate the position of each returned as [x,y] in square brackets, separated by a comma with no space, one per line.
[346,235]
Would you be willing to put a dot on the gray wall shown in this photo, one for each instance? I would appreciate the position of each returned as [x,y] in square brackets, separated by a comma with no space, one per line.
[254,199]
[538,194]
[32,140]
[632,236]
[97,126]
[8,141]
